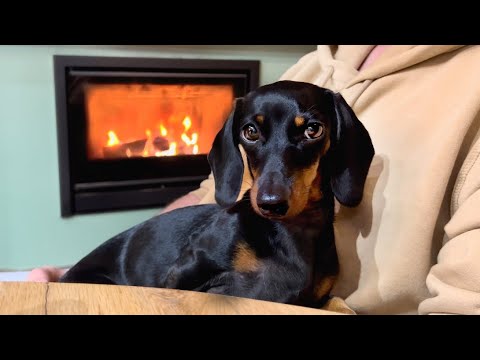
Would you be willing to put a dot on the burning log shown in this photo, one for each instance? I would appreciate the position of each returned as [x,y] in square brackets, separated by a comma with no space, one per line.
[160,143]
[134,148]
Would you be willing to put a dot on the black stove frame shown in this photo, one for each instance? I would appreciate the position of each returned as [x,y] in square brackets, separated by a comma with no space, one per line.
[88,186]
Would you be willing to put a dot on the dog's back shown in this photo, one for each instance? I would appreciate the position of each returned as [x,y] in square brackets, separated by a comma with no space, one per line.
[146,254]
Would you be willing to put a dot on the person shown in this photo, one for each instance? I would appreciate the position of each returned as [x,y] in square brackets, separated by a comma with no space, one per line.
[412,246]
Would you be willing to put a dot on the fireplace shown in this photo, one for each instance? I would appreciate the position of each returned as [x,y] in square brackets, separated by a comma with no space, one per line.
[135,132]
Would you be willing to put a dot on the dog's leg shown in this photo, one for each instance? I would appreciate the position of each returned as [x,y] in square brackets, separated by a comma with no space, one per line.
[281,284]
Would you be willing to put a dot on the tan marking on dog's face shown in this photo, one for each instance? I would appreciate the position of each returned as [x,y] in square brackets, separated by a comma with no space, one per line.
[247,179]
[245,259]
[305,188]
[326,147]
[254,172]
[253,197]
[299,121]
[306,185]
[315,192]
[324,286]
[260,119]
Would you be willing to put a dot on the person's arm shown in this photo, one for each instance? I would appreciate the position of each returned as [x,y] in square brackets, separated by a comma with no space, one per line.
[454,282]
[203,195]
[186,200]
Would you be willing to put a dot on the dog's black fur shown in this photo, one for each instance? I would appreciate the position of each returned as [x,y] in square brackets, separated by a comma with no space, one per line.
[304,146]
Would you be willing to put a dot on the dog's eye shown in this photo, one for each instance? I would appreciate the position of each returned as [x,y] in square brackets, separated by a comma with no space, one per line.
[314,130]
[250,133]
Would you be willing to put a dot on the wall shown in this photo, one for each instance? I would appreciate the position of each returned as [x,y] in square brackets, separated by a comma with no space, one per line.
[32,233]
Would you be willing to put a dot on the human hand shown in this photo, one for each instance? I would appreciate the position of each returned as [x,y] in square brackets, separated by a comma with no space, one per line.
[46,274]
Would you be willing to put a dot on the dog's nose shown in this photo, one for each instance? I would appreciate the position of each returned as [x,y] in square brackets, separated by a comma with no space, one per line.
[272,204]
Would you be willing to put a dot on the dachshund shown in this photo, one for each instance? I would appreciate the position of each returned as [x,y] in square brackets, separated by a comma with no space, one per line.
[304,146]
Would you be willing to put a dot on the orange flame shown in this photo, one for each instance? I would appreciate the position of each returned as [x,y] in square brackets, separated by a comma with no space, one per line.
[187,123]
[149,148]
[163,130]
[189,140]
[172,150]
[119,114]
[112,139]
[148,144]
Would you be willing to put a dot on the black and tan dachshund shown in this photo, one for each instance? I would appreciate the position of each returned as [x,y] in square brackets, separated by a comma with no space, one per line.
[304,147]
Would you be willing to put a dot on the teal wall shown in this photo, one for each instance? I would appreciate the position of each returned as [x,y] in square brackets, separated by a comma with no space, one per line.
[32,233]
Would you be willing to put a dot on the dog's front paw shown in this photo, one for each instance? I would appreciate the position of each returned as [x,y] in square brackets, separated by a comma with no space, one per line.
[219,290]
[226,283]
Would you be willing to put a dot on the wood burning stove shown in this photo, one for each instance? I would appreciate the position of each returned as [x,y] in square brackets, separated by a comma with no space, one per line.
[135,132]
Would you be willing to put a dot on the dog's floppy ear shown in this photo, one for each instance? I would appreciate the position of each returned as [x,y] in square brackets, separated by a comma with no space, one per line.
[352,154]
[225,159]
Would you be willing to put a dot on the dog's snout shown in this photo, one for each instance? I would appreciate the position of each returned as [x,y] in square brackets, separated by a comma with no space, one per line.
[273,203]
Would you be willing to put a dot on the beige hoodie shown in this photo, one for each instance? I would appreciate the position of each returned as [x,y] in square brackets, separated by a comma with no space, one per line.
[413,244]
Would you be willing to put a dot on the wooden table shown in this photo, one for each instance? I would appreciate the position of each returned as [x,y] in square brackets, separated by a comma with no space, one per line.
[78,299]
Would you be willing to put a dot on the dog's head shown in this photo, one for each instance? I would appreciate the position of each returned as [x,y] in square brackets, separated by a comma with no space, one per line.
[288,129]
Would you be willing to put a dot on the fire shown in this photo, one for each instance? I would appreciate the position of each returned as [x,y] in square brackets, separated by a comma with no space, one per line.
[118,116]
[112,139]
[155,144]
[187,123]
[170,152]
[163,130]
[190,141]
[148,143]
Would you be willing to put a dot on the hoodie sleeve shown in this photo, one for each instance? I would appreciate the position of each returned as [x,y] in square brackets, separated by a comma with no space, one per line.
[206,190]
[454,282]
